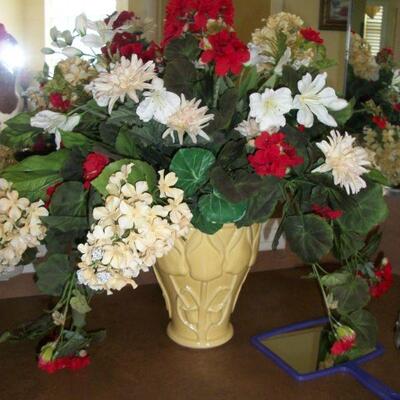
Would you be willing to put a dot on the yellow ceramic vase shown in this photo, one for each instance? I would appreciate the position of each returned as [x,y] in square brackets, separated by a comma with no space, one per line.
[201,278]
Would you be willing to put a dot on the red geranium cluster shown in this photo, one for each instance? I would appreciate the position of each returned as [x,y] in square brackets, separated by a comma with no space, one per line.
[326,212]
[58,102]
[192,15]
[383,281]
[227,51]
[311,35]
[343,345]
[380,122]
[273,155]
[93,166]
[73,363]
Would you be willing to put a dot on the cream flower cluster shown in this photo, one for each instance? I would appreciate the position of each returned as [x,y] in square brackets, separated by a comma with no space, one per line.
[126,78]
[363,62]
[265,48]
[75,70]
[131,231]
[20,225]
[386,149]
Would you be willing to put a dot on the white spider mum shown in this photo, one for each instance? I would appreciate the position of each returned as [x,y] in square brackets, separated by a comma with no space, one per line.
[125,79]
[346,161]
[189,118]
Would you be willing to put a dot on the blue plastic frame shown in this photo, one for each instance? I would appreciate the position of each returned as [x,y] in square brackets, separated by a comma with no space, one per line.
[351,367]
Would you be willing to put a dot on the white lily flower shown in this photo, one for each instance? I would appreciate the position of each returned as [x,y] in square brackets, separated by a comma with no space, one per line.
[396,80]
[158,103]
[270,107]
[346,161]
[256,58]
[284,60]
[53,122]
[71,52]
[316,99]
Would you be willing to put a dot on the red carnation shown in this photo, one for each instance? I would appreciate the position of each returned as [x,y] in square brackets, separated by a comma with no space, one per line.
[58,103]
[384,279]
[343,345]
[93,166]
[326,212]
[311,35]
[380,122]
[301,128]
[273,155]
[227,51]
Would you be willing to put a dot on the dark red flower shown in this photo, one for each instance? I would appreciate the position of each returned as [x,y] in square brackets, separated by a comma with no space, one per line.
[326,212]
[73,363]
[193,15]
[227,51]
[343,345]
[384,56]
[396,107]
[311,35]
[123,17]
[273,156]
[50,192]
[383,281]
[93,166]
[58,103]
[301,128]
[380,122]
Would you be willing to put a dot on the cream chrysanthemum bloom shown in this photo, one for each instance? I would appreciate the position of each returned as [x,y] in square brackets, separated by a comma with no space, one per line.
[189,118]
[126,79]
[346,161]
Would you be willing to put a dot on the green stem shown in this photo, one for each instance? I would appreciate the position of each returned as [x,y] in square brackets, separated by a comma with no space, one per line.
[216,91]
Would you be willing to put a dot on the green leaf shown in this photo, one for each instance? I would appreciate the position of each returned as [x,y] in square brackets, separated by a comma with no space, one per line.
[69,199]
[366,328]
[262,205]
[200,222]
[377,176]
[125,144]
[336,278]
[53,273]
[141,171]
[192,166]
[21,122]
[18,140]
[233,154]
[342,116]
[309,236]
[365,210]
[224,113]
[218,210]
[352,295]
[74,341]
[249,80]
[237,186]
[72,139]
[79,303]
[32,176]
[66,223]
[180,75]
[188,47]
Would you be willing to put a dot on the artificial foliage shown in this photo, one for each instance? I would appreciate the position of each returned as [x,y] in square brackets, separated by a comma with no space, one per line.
[128,147]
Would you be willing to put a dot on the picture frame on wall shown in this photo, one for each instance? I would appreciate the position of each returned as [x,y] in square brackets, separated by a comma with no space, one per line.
[333,14]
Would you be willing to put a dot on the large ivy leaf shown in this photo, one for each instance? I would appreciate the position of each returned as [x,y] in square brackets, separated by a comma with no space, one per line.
[263,203]
[365,210]
[309,236]
[233,154]
[125,144]
[219,210]
[237,186]
[53,273]
[200,222]
[352,295]
[191,166]
[366,328]
[69,199]
[72,139]
[223,114]
[187,46]
[33,175]
[66,223]
[180,74]
[141,171]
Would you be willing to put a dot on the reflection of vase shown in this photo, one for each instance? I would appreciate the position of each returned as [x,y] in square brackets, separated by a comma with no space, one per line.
[201,278]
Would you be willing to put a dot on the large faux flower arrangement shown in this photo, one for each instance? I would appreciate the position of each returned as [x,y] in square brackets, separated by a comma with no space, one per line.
[235,132]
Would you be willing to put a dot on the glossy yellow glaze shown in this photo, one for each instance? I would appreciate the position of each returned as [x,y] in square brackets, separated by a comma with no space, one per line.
[201,278]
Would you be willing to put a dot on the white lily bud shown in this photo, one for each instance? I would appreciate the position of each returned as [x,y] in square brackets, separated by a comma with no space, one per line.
[47,50]
[72,52]
[81,24]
